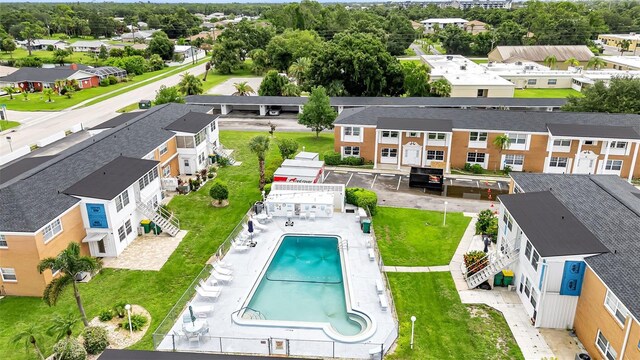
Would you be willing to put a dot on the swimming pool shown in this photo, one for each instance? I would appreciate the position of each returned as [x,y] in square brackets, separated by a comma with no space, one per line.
[304,286]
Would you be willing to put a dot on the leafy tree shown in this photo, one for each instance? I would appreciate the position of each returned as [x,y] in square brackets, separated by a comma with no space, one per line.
[103,54]
[30,337]
[288,148]
[9,90]
[219,191]
[572,62]
[115,52]
[483,43]
[272,84]
[167,95]
[8,45]
[29,32]
[285,48]
[190,85]
[59,56]
[155,63]
[226,56]
[596,63]
[510,33]
[243,89]
[621,96]
[487,223]
[251,35]
[47,92]
[259,145]
[291,89]
[455,40]
[298,70]
[135,64]
[62,326]
[317,114]
[70,264]
[416,79]
[441,88]
[161,44]
[550,61]
[260,61]
[400,34]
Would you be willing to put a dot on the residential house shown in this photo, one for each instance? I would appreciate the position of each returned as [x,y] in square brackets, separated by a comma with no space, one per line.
[7,70]
[616,39]
[475,27]
[139,36]
[44,44]
[430,25]
[36,79]
[94,193]
[485,4]
[211,34]
[196,138]
[572,242]
[538,53]
[88,46]
[541,142]
[188,52]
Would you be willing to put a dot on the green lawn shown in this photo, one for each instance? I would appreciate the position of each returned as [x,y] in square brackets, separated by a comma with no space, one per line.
[546,93]
[445,328]
[411,237]
[158,291]
[480,61]
[6,125]
[47,56]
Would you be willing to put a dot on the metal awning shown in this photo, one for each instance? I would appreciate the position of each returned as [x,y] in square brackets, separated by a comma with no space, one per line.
[94,237]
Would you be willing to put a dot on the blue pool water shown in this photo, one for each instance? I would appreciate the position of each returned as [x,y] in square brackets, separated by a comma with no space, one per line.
[304,283]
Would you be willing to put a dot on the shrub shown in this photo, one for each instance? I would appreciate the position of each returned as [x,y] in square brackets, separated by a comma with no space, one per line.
[106,315]
[353,161]
[223,161]
[467,167]
[287,148]
[69,349]
[267,189]
[219,191]
[477,169]
[104,82]
[95,339]
[194,184]
[270,169]
[507,170]
[210,175]
[112,80]
[119,309]
[32,61]
[475,261]
[137,322]
[363,198]
[332,158]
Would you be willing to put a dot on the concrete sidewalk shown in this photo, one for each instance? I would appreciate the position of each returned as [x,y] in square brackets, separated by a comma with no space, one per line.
[414,269]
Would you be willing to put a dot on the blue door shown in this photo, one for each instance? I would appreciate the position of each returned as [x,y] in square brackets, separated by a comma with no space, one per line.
[97,216]
[572,278]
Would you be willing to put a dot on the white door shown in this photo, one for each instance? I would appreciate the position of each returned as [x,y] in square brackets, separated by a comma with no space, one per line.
[186,163]
[411,155]
[585,163]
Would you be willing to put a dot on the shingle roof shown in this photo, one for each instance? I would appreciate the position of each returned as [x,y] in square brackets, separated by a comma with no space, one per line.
[192,122]
[111,179]
[596,131]
[479,119]
[550,226]
[39,74]
[540,52]
[35,198]
[415,124]
[117,121]
[610,208]
[21,166]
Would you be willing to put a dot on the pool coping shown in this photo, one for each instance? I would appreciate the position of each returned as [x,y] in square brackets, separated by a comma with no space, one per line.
[371,325]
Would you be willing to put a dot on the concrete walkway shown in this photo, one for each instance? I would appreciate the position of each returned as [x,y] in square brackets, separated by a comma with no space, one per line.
[148,252]
[531,342]
[414,269]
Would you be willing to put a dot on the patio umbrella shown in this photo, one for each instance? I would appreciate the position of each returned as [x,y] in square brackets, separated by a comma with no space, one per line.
[250,228]
[193,318]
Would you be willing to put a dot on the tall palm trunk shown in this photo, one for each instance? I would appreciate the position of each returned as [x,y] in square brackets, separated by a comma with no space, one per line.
[37,348]
[76,293]
[262,180]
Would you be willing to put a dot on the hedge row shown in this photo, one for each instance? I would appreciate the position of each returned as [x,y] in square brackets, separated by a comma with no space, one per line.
[363,198]
[332,158]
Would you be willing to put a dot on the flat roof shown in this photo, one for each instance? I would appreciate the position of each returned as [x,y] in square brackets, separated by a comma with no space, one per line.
[117,121]
[595,131]
[474,79]
[192,122]
[550,226]
[630,61]
[444,20]
[418,124]
[21,166]
[297,171]
[301,163]
[112,179]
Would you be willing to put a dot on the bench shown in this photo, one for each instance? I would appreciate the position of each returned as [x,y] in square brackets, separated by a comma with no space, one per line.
[384,304]
[379,287]
[372,255]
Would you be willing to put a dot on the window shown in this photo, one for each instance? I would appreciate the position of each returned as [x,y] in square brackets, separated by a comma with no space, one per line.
[508,221]
[605,347]
[614,165]
[527,250]
[477,136]
[184,142]
[562,142]
[532,81]
[351,131]
[52,229]
[588,142]
[8,274]
[534,260]
[147,178]
[164,149]
[127,226]
[482,92]
[122,200]
[200,136]
[616,308]
[527,288]
[534,297]
[521,283]
[386,152]
[390,134]
[3,242]
[212,126]
[560,162]
[201,158]
[519,139]
[351,151]
[618,145]
[122,233]
[437,136]
[474,157]
[413,134]
[435,155]
[512,160]
[552,81]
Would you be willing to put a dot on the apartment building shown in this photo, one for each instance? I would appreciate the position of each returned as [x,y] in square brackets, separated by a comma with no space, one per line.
[96,192]
[430,25]
[541,142]
[616,39]
[572,242]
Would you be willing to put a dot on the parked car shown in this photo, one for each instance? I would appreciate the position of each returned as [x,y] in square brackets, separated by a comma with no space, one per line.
[275,110]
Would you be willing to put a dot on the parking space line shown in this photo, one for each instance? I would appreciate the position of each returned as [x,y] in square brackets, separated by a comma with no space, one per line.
[349,180]
[399,179]
[327,174]
[340,171]
[363,173]
[374,180]
[388,175]
[499,186]
[477,183]
[464,180]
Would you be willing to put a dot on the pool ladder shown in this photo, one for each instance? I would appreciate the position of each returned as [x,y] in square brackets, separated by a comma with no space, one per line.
[250,313]
[343,244]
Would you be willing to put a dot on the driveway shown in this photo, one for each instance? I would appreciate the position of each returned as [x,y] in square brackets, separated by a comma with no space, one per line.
[462,195]
[227,88]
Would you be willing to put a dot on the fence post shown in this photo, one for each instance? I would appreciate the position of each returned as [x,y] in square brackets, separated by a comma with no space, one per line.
[173,341]
[333,349]
[220,338]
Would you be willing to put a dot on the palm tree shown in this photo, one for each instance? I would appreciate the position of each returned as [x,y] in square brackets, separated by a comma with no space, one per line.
[299,68]
[291,89]
[47,92]
[623,46]
[259,145]
[243,89]
[596,63]
[9,90]
[572,62]
[502,142]
[190,85]
[30,337]
[70,264]
[550,61]
[62,326]
[207,67]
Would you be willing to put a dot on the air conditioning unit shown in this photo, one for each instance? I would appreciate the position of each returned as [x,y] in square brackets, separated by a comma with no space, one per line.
[528,67]
[518,62]
[140,230]
[449,57]
[463,67]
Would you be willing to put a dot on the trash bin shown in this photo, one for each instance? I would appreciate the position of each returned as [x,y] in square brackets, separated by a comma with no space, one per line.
[144,104]
[498,279]
[155,228]
[365,225]
[508,277]
[146,224]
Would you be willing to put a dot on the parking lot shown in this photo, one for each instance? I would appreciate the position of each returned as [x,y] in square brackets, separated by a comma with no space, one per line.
[393,189]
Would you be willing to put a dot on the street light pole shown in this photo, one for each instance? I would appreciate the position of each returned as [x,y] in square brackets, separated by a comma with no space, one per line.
[128,308]
[413,323]
[9,141]
[444,222]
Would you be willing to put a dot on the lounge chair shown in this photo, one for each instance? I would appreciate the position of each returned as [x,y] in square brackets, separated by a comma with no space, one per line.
[202,310]
[260,227]
[384,304]
[372,255]
[221,277]
[207,294]
[223,264]
[379,286]
[240,247]
[209,288]
[312,216]
[222,270]
[303,215]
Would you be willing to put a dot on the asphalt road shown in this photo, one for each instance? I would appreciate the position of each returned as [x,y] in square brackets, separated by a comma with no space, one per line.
[227,88]
[39,125]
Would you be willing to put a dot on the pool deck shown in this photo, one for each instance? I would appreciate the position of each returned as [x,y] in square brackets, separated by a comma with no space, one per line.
[226,336]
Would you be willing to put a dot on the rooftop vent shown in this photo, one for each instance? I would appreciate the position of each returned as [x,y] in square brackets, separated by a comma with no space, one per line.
[449,57]
[463,67]
[518,62]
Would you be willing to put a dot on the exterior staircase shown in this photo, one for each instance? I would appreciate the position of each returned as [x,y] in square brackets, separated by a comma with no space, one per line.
[222,152]
[494,262]
[161,217]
